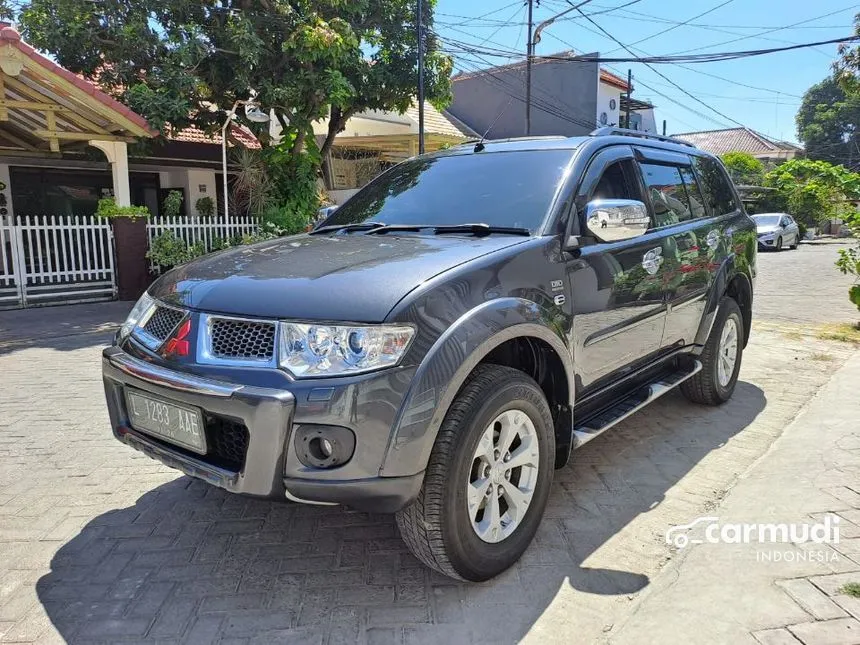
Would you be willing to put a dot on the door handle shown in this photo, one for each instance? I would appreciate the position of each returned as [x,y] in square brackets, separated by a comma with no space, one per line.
[652,260]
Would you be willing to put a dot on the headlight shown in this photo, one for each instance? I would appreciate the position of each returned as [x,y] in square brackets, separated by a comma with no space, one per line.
[326,350]
[141,308]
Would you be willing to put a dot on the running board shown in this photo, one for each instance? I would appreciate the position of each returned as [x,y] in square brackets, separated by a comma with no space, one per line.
[602,421]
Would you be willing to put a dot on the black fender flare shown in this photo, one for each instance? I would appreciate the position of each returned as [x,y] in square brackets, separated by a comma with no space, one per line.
[447,365]
[726,274]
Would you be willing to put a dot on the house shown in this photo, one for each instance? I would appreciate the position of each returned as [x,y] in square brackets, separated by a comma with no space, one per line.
[719,142]
[569,98]
[50,122]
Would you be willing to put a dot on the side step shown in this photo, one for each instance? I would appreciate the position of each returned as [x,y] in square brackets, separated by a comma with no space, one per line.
[608,417]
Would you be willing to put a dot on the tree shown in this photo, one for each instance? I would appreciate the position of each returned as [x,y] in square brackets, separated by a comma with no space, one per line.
[185,62]
[828,121]
[743,167]
[811,190]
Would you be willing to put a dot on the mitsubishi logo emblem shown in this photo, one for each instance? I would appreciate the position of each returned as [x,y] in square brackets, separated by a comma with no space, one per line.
[179,345]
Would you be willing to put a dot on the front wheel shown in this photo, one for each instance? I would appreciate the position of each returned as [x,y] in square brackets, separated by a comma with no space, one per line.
[778,244]
[721,358]
[488,478]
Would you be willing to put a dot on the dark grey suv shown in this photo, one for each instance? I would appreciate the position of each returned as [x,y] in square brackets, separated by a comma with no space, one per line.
[440,343]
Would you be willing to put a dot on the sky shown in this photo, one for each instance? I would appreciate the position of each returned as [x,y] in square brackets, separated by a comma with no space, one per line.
[762,93]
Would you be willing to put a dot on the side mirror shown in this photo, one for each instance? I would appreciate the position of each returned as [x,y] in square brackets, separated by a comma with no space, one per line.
[323,214]
[613,220]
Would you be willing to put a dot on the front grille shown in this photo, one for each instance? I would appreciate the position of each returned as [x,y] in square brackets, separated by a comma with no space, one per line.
[242,339]
[163,322]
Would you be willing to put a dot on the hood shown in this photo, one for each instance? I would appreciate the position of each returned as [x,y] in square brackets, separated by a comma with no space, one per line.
[356,278]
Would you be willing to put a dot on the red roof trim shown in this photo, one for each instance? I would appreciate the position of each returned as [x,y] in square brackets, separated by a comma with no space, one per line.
[10,36]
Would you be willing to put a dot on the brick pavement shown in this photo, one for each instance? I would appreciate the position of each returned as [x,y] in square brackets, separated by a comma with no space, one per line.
[99,544]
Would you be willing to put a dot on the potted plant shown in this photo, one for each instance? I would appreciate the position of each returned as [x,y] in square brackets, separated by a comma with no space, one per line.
[129,233]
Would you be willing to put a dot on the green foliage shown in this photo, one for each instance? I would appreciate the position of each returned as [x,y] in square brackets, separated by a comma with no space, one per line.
[173,203]
[827,122]
[108,209]
[205,206]
[173,61]
[812,191]
[849,260]
[743,168]
[167,250]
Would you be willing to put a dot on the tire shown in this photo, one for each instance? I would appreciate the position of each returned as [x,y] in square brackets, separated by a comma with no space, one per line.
[778,246]
[438,526]
[706,386]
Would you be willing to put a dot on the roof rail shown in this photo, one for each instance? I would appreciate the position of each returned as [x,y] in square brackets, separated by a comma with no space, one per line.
[625,132]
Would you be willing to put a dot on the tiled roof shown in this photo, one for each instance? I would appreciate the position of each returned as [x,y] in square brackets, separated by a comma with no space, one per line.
[735,140]
[436,122]
[195,135]
[10,37]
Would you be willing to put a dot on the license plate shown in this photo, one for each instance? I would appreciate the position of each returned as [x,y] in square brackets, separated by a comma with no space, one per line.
[178,424]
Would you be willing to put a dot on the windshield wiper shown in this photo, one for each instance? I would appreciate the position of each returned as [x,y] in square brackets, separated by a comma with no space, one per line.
[361,226]
[479,229]
[482,229]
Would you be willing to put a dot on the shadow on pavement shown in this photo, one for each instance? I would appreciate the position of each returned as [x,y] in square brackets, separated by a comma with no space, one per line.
[188,562]
[64,328]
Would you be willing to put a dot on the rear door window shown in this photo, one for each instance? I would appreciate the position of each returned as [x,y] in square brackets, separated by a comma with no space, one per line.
[714,184]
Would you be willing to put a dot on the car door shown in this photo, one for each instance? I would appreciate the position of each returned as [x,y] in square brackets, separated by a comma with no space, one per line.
[691,239]
[792,231]
[616,288]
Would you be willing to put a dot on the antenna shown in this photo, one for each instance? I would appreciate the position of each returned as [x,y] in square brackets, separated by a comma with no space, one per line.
[480,145]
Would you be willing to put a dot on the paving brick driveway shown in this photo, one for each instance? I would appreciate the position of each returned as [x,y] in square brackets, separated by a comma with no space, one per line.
[99,544]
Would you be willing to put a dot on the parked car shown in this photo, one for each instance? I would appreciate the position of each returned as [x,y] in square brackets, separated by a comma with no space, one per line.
[776,231]
[445,338]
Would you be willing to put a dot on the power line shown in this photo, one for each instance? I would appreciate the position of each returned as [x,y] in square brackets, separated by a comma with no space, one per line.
[663,76]
[680,24]
[767,31]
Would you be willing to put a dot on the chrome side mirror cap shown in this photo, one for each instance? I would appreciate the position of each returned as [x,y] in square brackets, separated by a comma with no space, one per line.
[324,212]
[614,220]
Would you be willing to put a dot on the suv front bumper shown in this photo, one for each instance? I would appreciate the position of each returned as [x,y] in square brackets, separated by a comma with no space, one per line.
[268,416]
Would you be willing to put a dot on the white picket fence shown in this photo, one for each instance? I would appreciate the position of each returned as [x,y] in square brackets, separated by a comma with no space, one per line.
[50,258]
[201,229]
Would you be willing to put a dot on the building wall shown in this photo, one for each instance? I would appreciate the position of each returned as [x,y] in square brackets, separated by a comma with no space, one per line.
[193,182]
[644,120]
[608,95]
[570,88]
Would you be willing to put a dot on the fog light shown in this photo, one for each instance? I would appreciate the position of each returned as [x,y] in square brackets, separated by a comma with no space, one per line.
[319,446]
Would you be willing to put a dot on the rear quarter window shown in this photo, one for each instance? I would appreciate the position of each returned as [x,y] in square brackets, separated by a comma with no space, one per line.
[715,186]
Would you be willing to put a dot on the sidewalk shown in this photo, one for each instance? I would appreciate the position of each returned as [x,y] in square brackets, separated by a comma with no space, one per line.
[773,594]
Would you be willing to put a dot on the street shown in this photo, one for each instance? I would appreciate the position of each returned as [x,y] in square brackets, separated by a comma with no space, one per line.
[99,544]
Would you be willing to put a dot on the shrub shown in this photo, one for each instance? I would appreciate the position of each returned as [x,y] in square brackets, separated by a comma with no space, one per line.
[108,209]
[167,251]
[849,260]
[205,206]
[173,203]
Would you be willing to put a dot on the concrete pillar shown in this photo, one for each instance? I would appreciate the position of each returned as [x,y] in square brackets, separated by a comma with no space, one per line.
[117,154]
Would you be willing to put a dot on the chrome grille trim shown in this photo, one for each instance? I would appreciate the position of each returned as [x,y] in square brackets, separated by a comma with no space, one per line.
[157,325]
[228,340]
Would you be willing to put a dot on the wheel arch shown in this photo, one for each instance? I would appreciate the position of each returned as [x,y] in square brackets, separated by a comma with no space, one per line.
[498,330]
[729,281]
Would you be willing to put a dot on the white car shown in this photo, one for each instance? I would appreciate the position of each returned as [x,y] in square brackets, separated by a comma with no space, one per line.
[776,230]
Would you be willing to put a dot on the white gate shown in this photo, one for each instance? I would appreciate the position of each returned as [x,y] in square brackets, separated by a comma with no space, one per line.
[48,259]
[205,231]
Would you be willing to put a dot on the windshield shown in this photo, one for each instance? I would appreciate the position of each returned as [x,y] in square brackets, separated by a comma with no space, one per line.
[767,220]
[512,189]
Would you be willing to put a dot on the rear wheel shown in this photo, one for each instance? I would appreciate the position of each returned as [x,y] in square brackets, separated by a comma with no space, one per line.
[488,478]
[795,242]
[721,358]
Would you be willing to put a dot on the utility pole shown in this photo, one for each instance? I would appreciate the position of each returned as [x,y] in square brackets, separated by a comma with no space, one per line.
[420,77]
[529,54]
[629,90]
